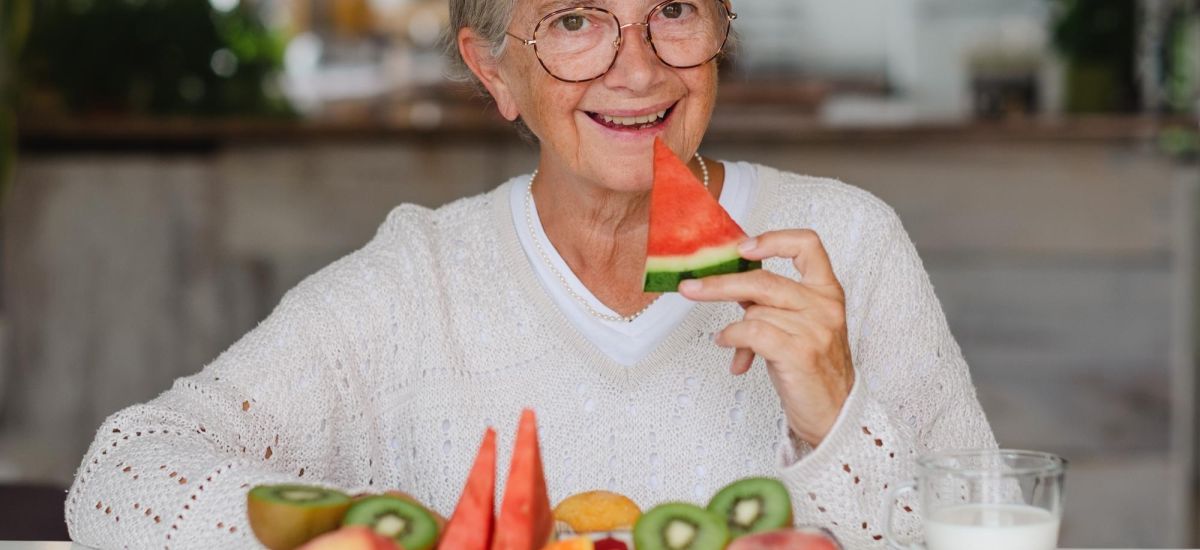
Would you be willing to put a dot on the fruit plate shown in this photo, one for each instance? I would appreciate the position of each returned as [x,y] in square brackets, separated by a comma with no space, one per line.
[797,538]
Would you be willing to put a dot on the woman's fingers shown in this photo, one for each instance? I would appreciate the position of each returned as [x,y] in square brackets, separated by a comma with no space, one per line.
[743,358]
[786,321]
[798,328]
[754,287]
[794,326]
[758,337]
[762,287]
[762,326]
[802,246]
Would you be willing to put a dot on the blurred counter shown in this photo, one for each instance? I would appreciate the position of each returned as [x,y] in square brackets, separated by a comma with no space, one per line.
[760,112]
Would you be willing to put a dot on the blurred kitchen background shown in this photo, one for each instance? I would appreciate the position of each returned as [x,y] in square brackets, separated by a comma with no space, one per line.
[172,167]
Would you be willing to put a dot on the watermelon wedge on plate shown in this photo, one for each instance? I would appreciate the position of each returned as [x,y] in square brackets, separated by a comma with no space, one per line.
[470,528]
[691,235]
[526,521]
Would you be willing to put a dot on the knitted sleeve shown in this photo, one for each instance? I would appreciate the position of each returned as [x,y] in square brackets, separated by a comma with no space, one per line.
[174,472]
[913,393]
[297,399]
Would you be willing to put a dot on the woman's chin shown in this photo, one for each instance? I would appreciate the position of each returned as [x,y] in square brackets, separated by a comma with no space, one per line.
[624,182]
[624,171]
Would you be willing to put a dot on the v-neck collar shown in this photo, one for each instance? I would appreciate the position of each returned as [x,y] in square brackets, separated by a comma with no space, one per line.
[522,272]
[664,310]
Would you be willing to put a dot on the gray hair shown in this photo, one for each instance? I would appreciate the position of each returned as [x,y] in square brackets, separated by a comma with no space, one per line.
[488,18]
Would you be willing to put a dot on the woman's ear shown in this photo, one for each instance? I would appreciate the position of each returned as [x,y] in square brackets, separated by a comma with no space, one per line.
[477,53]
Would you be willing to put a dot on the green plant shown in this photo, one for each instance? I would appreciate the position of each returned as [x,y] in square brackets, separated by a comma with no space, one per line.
[157,57]
[1182,59]
[1180,142]
[14,28]
[1098,40]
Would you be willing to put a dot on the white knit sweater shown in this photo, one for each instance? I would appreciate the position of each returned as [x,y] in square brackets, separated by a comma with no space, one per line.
[382,370]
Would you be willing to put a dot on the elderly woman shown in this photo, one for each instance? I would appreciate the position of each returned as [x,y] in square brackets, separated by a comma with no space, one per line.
[830,369]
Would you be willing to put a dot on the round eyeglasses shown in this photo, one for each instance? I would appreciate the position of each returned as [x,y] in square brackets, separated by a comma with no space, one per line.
[581,44]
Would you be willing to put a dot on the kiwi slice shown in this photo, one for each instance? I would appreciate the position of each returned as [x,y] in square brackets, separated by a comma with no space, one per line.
[680,526]
[407,523]
[284,517]
[753,505]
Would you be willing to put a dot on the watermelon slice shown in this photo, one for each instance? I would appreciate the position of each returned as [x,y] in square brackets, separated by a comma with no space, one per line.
[691,236]
[526,521]
[470,527]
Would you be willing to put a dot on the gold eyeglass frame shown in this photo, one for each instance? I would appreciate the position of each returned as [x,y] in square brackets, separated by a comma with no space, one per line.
[729,16]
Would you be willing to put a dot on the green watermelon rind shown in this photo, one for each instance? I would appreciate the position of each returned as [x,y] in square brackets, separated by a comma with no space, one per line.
[668,281]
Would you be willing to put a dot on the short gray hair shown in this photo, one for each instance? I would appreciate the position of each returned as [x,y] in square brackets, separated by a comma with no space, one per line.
[488,18]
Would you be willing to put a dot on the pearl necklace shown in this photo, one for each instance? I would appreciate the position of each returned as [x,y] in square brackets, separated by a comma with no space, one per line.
[563,280]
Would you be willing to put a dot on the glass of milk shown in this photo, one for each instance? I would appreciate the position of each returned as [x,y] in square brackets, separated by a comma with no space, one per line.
[981,500]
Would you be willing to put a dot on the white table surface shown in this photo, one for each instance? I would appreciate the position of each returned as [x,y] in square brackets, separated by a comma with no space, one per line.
[17,545]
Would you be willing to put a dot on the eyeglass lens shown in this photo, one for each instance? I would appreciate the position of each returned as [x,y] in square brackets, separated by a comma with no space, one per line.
[581,44]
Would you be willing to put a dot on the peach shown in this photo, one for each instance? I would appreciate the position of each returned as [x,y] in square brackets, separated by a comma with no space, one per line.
[786,539]
[351,538]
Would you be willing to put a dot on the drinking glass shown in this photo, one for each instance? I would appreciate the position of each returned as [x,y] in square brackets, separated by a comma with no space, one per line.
[992,499]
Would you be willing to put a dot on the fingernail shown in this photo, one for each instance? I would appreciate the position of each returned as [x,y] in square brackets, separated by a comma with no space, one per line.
[748,245]
[690,285]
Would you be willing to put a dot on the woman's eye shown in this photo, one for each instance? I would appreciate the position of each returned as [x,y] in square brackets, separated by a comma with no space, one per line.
[572,22]
[674,10]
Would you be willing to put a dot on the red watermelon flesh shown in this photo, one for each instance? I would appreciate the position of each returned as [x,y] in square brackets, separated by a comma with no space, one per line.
[526,521]
[470,528]
[691,235]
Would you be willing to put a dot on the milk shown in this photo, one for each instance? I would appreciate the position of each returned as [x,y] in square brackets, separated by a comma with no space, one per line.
[991,527]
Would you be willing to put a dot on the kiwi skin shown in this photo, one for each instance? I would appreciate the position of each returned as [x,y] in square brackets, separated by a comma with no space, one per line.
[283,525]
[441,520]
[648,535]
[366,511]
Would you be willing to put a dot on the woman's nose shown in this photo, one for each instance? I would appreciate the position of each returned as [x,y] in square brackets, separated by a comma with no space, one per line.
[642,28]
[636,65]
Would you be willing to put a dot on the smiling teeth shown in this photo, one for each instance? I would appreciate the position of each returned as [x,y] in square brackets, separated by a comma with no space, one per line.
[634,120]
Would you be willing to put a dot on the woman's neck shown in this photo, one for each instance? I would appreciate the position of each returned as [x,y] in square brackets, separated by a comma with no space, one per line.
[601,233]
[591,226]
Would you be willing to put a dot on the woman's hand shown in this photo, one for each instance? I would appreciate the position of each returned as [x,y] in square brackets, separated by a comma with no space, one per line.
[799,328]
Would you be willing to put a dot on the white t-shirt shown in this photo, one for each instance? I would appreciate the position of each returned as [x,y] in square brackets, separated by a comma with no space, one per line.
[625,343]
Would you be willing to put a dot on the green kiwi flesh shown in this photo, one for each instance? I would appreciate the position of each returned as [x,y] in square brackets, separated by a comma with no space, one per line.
[680,526]
[286,516]
[409,524]
[753,505]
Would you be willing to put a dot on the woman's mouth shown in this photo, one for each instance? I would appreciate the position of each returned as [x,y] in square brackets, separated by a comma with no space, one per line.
[632,123]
